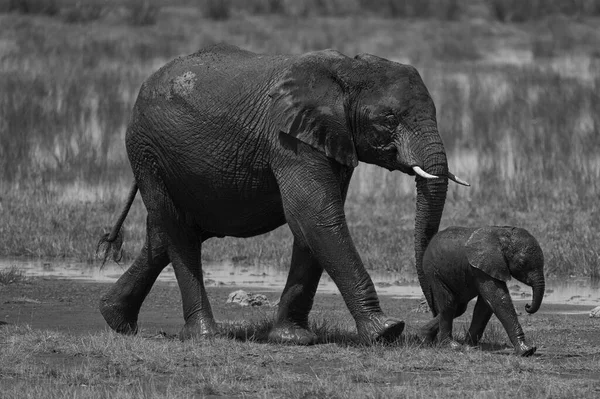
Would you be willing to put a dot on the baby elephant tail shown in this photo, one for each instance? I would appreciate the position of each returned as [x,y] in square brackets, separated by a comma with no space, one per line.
[111,243]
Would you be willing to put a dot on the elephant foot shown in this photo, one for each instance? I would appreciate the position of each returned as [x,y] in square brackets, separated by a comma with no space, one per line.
[471,341]
[199,329]
[522,349]
[292,335]
[380,329]
[426,335]
[118,317]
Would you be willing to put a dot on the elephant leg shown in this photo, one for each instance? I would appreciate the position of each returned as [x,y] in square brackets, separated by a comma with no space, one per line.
[121,305]
[185,254]
[448,308]
[496,295]
[313,206]
[291,324]
[445,328]
[429,331]
[461,308]
[481,316]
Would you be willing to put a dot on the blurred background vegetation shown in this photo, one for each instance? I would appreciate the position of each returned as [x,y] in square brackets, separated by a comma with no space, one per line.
[516,84]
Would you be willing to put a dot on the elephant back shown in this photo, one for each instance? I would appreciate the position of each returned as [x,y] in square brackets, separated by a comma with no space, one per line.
[220,76]
[446,247]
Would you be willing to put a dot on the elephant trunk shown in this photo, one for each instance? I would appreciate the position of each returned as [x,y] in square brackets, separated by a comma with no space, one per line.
[538,295]
[431,197]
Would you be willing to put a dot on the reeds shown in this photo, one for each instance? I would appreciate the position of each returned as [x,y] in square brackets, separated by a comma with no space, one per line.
[525,136]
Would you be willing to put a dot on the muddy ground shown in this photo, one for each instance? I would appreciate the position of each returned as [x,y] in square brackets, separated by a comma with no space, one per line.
[71,306]
[565,364]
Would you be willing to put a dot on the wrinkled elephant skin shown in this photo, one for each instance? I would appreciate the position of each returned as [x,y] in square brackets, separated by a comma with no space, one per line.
[463,263]
[225,142]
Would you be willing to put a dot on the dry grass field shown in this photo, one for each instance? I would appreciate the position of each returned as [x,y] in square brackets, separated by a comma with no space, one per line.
[516,93]
[59,347]
[517,89]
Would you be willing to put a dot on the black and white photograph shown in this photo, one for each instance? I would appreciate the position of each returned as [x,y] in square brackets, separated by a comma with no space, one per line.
[299,199]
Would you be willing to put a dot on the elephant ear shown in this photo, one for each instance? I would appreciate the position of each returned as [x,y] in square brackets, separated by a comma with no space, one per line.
[484,251]
[308,104]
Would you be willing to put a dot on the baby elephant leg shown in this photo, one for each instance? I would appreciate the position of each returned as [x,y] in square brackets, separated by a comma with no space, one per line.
[447,310]
[481,316]
[445,335]
[497,297]
[429,331]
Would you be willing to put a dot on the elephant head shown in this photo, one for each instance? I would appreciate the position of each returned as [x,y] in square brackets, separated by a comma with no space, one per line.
[372,110]
[502,252]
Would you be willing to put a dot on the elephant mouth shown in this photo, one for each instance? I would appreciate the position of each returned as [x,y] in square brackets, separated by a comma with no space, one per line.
[406,169]
[417,170]
[414,169]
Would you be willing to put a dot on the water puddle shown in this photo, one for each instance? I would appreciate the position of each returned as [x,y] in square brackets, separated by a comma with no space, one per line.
[566,291]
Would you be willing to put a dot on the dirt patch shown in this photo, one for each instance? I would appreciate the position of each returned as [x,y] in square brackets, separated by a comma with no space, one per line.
[71,306]
[78,358]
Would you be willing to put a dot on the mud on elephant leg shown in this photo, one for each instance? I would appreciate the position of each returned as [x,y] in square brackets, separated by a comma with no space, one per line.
[291,324]
[497,296]
[121,305]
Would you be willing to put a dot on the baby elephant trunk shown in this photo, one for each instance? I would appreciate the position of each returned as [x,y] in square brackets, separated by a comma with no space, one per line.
[538,294]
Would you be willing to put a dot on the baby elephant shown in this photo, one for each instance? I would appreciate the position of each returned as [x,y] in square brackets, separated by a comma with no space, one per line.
[463,263]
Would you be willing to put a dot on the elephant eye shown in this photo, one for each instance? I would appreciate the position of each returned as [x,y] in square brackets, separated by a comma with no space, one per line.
[391,119]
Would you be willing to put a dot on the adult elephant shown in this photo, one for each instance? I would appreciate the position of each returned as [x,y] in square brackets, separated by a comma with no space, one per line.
[226,142]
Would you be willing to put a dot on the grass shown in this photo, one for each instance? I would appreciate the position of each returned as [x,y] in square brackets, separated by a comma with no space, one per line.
[521,11]
[145,12]
[132,12]
[59,363]
[517,109]
[11,276]
[522,130]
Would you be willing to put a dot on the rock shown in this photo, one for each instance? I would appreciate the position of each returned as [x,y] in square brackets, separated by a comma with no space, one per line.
[244,298]
[423,307]
[595,312]
[22,300]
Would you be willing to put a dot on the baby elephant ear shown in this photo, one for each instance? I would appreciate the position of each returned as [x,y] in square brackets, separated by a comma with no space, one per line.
[484,252]
[308,104]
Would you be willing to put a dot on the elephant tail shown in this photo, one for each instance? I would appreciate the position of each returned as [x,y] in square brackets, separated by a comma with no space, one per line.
[111,243]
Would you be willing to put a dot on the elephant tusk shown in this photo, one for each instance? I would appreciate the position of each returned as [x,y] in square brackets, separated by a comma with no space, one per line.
[457,179]
[422,173]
